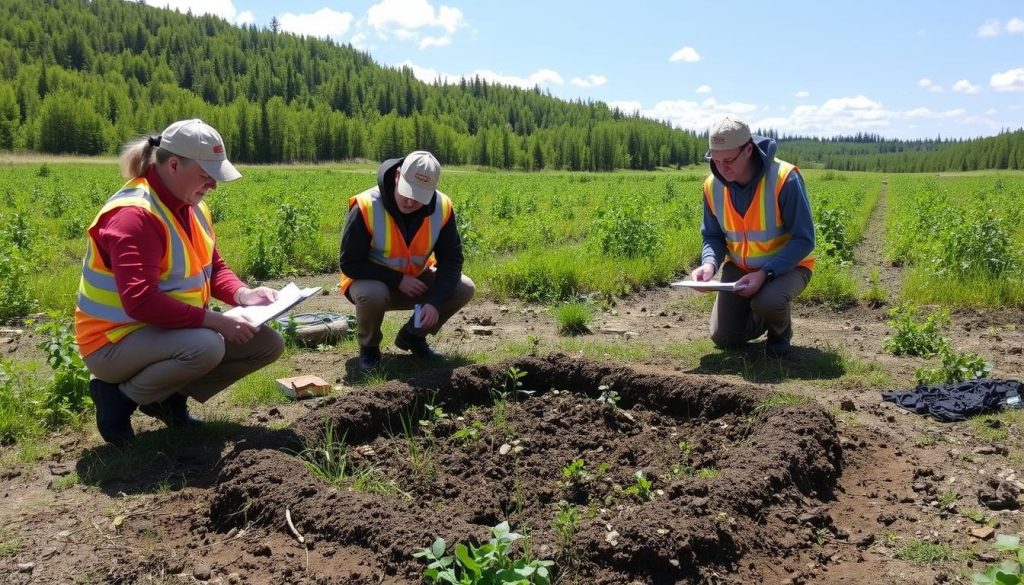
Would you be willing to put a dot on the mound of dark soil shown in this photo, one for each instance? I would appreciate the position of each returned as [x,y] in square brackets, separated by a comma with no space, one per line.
[453,457]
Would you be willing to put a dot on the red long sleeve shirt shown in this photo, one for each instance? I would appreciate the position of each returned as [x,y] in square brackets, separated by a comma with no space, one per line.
[133,243]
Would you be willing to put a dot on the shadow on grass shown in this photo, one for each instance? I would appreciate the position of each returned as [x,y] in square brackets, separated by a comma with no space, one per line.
[170,459]
[401,367]
[751,363]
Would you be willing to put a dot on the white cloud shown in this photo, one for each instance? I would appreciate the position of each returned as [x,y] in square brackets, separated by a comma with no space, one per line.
[704,88]
[406,20]
[991,112]
[1012,80]
[686,54]
[589,81]
[245,18]
[929,85]
[222,8]
[965,86]
[802,94]
[324,23]
[989,29]
[994,28]
[435,42]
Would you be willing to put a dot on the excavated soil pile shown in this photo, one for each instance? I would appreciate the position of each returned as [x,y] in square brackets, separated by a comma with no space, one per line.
[730,473]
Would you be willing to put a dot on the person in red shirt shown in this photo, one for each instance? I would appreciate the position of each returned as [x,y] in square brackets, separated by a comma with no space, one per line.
[142,318]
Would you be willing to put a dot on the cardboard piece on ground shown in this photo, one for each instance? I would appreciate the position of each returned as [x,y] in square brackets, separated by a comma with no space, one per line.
[305,386]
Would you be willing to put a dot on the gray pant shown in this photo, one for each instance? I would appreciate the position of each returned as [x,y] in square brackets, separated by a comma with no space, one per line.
[152,364]
[373,298]
[736,320]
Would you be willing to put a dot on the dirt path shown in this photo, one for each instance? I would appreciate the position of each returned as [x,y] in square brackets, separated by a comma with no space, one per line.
[869,255]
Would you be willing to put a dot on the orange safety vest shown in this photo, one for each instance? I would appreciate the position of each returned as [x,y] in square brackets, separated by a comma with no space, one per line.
[185,269]
[387,244]
[753,238]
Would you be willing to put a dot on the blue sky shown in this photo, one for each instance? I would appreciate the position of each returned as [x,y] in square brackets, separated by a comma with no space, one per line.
[900,68]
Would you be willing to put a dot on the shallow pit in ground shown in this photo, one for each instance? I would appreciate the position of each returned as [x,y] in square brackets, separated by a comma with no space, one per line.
[535,439]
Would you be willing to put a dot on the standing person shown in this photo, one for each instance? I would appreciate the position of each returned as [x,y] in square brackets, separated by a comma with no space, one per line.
[400,249]
[757,217]
[142,320]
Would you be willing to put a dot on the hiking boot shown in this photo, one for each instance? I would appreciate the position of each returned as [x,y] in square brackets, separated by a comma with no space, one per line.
[369,358]
[172,411]
[777,347]
[113,412]
[417,345]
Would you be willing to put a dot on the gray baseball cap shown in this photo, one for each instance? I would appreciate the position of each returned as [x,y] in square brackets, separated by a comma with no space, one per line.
[198,141]
[727,134]
[418,176]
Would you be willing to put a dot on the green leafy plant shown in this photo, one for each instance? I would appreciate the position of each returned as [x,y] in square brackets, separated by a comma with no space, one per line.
[626,232]
[469,433]
[641,488]
[15,297]
[1008,572]
[831,229]
[575,472]
[913,337]
[955,367]
[68,393]
[487,564]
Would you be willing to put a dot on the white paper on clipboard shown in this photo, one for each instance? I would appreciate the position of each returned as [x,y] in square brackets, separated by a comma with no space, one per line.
[708,285]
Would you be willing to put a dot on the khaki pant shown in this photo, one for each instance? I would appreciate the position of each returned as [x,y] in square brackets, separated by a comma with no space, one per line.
[152,364]
[736,320]
[373,298]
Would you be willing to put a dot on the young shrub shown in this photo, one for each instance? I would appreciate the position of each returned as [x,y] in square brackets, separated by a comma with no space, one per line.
[626,232]
[875,295]
[68,393]
[912,337]
[573,318]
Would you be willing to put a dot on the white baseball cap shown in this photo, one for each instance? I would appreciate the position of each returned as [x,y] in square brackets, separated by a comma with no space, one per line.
[418,176]
[198,141]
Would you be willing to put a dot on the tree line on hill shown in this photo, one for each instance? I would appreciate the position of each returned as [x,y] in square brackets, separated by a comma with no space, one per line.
[83,76]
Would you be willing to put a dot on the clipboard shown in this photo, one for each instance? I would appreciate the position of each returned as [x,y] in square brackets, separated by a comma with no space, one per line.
[707,285]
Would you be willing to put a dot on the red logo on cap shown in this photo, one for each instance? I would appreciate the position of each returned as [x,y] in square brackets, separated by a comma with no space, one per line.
[218,149]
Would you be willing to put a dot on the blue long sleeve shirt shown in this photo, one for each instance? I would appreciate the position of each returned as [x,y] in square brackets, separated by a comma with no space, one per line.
[796,215]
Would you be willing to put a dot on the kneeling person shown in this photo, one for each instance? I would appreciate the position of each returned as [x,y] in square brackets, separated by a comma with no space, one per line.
[400,247]
[142,318]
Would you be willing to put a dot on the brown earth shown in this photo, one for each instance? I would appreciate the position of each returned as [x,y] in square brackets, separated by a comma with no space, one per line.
[836,490]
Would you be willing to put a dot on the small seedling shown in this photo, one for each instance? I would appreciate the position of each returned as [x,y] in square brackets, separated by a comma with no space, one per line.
[575,472]
[469,434]
[565,524]
[641,488]
[608,396]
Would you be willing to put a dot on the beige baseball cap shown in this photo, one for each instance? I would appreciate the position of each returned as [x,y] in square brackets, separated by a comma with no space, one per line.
[727,134]
[418,176]
[198,141]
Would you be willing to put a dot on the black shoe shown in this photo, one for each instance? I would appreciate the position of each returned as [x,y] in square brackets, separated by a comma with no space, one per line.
[113,412]
[172,411]
[369,358]
[417,345]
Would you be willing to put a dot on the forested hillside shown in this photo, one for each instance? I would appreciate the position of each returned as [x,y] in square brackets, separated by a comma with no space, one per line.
[83,76]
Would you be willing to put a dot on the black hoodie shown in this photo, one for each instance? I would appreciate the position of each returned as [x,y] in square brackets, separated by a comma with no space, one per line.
[355,242]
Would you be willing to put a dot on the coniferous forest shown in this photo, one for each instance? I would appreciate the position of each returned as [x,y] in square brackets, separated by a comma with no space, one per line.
[82,77]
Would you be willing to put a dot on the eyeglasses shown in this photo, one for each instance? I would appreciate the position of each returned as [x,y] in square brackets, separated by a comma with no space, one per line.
[732,159]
